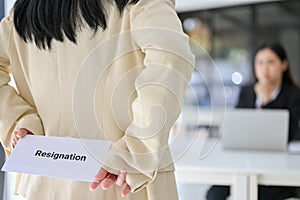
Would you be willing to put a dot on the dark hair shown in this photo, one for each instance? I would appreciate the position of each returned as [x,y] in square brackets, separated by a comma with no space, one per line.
[43,21]
[280,52]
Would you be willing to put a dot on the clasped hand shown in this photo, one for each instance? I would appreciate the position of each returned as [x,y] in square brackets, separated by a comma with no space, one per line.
[106,179]
[103,177]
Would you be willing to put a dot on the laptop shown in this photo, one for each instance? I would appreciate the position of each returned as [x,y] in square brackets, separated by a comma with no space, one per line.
[255,129]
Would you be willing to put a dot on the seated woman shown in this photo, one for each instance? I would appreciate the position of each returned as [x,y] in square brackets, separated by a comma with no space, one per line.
[273,89]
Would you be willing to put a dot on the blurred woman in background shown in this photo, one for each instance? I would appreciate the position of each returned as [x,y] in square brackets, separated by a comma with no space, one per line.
[273,88]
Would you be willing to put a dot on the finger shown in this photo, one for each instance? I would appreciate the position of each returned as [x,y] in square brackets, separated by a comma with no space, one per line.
[94,185]
[101,175]
[27,131]
[14,142]
[107,182]
[16,134]
[22,132]
[121,177]
[126,190]
[14,139]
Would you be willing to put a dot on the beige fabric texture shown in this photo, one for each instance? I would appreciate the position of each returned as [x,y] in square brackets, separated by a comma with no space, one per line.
[43,102]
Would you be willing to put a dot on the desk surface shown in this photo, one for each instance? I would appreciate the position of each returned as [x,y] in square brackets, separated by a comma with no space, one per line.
[204,161]
[231,161]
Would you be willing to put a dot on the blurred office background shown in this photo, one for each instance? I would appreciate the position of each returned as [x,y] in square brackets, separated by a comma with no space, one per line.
[224,36]
[231,34]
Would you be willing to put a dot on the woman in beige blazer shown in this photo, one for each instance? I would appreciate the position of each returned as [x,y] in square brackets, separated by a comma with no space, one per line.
[125,61]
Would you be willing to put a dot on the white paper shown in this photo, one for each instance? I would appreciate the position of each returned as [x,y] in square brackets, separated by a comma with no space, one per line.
[61,157]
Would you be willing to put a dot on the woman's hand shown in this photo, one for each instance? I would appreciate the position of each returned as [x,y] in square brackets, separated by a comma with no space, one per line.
[265,92]
[17,135]
[106,179]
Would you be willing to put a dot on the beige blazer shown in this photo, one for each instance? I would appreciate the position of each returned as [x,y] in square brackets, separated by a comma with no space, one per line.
[124,84]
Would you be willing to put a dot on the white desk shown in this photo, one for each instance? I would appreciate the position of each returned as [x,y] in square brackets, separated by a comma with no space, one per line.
[243,170]
[218,167]
[267,168]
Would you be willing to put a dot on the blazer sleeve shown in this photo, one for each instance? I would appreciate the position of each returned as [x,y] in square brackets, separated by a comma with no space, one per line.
[15,112]
[168,65]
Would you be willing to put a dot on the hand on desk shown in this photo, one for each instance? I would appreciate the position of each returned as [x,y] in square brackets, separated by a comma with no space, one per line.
[107,179]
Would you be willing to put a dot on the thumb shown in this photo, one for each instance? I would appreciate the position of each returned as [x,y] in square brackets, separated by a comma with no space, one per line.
[22,132]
